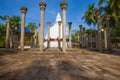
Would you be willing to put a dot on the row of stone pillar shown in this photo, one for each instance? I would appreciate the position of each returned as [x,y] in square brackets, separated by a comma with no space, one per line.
[41,35]
[82,36]
[107,38]
[9,40]
[59,34]
[82,30]
[23,10]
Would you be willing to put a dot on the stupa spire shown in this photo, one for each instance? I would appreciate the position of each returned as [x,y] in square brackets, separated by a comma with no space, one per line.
[58,17]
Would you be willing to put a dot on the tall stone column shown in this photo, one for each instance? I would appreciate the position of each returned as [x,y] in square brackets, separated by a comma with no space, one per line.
[48,23]
[84,37]
[70,43]
[107,33]
[81,35]
[8,33]
[41,33]
[11,38]
[91,40]
[86,40]
[64,6]
[78,37]
[98,13]
[35,37]
[23,10]
[59,23]
[39,36]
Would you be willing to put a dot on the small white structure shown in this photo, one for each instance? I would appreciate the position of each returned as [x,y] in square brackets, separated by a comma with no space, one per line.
[54,34]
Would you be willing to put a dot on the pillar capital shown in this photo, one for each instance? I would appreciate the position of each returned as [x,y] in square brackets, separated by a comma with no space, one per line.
[8,19]
[23,9]
[63,5]
[48,23]
[98,12]
[70,24]
[59,23]
[80,26]
[39,24]
[107,17]
[83,28]
[42,5]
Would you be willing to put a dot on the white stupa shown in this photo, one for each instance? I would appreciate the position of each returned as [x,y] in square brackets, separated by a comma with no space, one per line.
[54,33]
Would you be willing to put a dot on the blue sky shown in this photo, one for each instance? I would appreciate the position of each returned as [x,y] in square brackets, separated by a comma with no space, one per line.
[75,10]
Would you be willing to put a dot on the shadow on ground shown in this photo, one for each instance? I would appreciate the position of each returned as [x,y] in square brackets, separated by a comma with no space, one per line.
[45,70]
[4,51]
[110,52]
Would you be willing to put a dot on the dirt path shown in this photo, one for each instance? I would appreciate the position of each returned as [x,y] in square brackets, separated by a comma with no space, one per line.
[74,65]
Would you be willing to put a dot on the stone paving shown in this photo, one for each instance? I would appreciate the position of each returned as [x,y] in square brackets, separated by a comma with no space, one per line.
[76,64]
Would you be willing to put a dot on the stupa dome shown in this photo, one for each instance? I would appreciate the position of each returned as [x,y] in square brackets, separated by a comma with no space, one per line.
[54,33]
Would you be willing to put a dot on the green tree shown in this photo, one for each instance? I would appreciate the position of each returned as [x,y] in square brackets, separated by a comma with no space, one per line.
[2,35]
[31,26]
[114,8]
[15,22]
[2,31]
[75,35]
[89,16]
[4,17]
[91,19]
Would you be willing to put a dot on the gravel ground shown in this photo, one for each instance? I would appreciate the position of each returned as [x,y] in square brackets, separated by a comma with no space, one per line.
[76,64]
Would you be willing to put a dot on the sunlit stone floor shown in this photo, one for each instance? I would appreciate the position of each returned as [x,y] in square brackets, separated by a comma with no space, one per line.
[76,64]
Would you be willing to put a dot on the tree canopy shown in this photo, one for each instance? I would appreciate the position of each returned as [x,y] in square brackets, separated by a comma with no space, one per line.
[31,26]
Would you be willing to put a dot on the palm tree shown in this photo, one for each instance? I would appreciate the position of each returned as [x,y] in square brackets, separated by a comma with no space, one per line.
[4,17]
[111,11]
[15,22]
[31,26]
[90,16]
[3,30]
[114,8]
[2,35]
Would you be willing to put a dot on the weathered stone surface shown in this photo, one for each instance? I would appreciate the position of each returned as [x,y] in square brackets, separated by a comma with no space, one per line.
[52,65]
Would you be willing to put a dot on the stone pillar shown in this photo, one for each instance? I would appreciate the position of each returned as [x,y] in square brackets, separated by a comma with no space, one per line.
[96,39]
[11,38]
[39,37]
[59,23]
[35,37]
[23,10]
[84,37]
[41,33]
[91,40]
[86,40]
[64,6]
[8,33]
[70,43]
[78,37]
[107,33]
[98,14]
[48,44]
[81,34]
